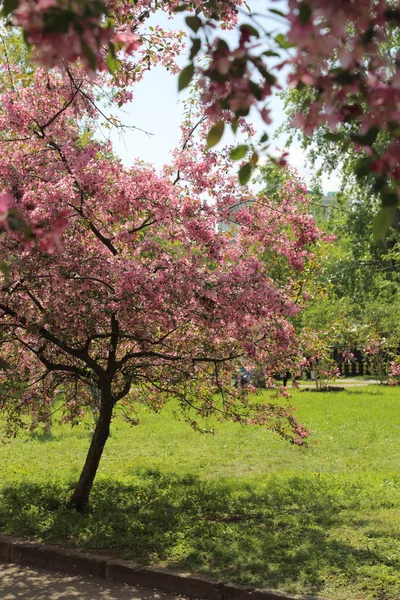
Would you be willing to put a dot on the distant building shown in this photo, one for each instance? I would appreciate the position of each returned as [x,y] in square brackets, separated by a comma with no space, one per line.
[231,226]
[321,208]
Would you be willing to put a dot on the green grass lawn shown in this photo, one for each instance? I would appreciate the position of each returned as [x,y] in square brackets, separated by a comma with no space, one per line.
[242,504]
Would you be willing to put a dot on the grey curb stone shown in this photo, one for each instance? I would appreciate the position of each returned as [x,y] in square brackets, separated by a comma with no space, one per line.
[104,567]
[28,553]
[44,555]
[232,591]
[5,546]
[80,562]
[186,584]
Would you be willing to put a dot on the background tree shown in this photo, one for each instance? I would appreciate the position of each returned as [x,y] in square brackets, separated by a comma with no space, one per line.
[351,283]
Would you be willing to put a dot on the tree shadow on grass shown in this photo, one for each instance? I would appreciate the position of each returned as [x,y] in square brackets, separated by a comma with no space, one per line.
[281,533]
[365,391]
[41,436]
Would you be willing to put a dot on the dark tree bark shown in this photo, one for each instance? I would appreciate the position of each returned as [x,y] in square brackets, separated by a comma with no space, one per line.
[80,497]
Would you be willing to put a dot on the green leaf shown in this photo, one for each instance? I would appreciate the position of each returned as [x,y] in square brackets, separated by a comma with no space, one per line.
[9,6]
[254,32]
[275,11]
[215,134]
[196,45]
[97,7]
[112,61]
[88,52]
[234,125]
[238,152]
[305,12]
[270,53]
[194,23]
[255,89]
[333,136]
[389,197]
[60,22]
[4,365]
[379,183]
[363,166]
[4,267]
[381,222]
[368,138]
[245,173]
[242,112]
[343,76]
[254,159]
[271,79]
[222,45]
[282,41]
[264,138]
[185,77]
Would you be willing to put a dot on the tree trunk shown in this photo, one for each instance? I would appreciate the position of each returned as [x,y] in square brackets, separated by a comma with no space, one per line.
[80,497]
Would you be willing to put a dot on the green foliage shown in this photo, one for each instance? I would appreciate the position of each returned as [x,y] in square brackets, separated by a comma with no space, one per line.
[272,178]
[8,7]
[360,273]
[381,222]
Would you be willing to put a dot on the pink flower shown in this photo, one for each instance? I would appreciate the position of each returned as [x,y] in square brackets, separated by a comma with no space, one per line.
[5,201]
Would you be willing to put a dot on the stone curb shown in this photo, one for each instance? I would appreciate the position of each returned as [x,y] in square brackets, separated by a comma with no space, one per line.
[124,571]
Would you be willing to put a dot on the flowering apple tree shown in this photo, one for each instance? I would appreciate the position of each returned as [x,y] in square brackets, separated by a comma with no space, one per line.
[394,372]
[318,349]
[132,294]
[376,354]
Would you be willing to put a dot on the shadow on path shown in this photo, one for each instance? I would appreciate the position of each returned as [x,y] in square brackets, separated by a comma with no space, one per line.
[26,583]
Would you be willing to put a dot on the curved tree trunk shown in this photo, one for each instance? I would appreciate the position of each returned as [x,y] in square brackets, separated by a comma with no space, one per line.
[80,497]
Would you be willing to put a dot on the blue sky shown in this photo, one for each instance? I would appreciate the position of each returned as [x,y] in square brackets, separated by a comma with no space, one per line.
[158,109]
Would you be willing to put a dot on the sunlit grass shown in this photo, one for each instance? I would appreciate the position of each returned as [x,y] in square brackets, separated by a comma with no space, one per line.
[240,504]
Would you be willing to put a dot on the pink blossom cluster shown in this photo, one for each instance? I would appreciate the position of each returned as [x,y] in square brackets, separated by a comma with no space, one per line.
[81,34]
[340,55]
[394,373]
[228,80]
[374,346]
[348,356]
[95,32]
[5,203]
[103,36]
[337,51]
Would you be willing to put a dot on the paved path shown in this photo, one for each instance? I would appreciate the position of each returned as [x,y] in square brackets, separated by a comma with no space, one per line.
[345,382]
[19,582]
